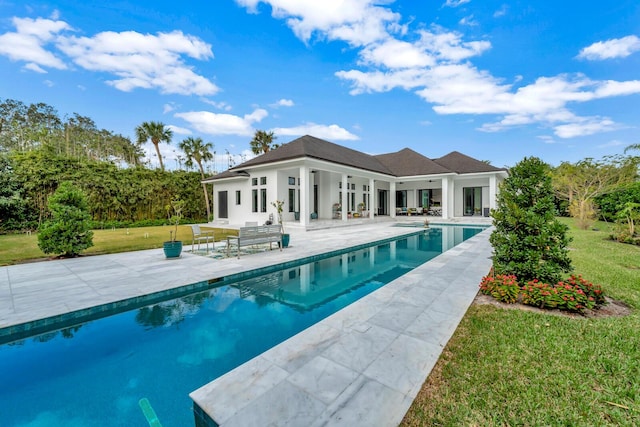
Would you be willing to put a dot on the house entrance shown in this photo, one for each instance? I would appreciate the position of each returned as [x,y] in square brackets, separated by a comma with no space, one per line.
[382,202]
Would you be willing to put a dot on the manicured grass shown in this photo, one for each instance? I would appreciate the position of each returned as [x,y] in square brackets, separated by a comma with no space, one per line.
[15,248]
[516,368]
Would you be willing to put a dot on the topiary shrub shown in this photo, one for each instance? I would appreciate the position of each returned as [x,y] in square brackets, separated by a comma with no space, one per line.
[528,241]
[68,231]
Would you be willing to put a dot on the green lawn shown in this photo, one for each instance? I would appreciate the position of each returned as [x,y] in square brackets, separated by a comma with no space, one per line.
[516,368]
[15,248]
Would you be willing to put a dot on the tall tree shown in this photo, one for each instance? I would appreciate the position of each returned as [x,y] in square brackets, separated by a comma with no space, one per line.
[581,182]
[262,142]
[529,241]
[197,151]
[156,132]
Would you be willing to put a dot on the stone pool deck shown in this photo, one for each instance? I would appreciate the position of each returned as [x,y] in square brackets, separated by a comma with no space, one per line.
[361,366]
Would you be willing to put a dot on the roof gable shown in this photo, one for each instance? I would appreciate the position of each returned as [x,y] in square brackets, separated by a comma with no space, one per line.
[460,163]
[407,162]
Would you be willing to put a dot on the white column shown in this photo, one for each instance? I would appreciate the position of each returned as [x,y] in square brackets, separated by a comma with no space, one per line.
[345,200]
[493,191]
[305,195]
[452,198]
[445,197]
[305,279]
[392,198]
[372,199]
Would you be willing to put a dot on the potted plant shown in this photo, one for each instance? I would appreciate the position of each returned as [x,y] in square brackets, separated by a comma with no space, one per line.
[173,247]
[279,205]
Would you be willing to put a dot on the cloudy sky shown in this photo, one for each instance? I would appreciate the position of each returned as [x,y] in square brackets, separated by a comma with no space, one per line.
[496,80]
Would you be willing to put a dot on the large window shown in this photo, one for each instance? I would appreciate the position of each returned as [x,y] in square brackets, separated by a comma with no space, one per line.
[263,200]
[292,199]
[254,200]
[401,199]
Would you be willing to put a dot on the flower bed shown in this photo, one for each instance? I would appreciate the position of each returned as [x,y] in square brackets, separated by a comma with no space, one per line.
[573,294]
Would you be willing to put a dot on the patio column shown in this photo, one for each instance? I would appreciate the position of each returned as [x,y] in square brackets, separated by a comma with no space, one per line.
[372,199]
[392,198]
[345,200]
[446,213]
[493,191]
[304,196]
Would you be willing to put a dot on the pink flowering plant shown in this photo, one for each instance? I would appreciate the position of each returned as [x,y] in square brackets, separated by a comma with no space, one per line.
[503,287]
[573,294]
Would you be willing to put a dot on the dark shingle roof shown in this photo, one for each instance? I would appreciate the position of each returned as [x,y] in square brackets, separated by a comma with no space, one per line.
[309,146]
[460,163]
[407,162]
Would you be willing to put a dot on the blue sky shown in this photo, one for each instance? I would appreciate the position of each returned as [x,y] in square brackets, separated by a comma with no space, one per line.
[495,80]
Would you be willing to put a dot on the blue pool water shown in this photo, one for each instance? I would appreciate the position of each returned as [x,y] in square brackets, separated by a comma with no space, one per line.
[95,374]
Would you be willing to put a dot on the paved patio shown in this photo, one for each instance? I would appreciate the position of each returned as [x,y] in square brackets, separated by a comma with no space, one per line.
[362,366]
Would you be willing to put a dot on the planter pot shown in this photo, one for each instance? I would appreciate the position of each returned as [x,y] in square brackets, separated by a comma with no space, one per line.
[285,240]
[172,249]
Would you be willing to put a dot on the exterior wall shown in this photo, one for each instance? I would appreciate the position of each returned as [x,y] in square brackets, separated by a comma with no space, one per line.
[460,184]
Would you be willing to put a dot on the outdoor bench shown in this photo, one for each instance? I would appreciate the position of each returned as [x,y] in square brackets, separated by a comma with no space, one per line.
[255,235]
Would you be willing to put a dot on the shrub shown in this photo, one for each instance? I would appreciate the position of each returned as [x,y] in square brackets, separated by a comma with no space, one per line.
[68,232]
[502,287]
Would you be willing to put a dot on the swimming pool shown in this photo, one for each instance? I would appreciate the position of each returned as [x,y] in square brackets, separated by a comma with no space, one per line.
[95,374]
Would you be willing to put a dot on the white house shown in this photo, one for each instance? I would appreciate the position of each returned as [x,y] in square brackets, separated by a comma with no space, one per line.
[320,180]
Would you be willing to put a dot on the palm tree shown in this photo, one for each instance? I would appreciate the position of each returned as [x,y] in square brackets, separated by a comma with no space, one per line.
[197,151]
[262,142]
[157,132]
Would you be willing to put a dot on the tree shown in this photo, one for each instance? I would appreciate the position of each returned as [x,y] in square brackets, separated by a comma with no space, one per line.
[12,203]
[156,132]
[528,241]
[581,182]
[262,142]
[197,151]
[68,232]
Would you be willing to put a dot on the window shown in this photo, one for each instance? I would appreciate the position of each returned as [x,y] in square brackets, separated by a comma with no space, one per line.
[254,181]
[254,200]
[353,201]
[364,188]
[292,199]
[401,198]
[263,180]
[238,198]
[263,199]
[364,201]
[292,180]
[353,187]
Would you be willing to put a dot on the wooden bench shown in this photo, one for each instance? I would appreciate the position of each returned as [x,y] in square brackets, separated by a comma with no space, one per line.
[255,235]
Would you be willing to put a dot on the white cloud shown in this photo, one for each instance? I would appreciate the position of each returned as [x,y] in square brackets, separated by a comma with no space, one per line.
[143,60]
[219,105]
[283,103]
[28,42]
[178,130]
[223,124]
[330,132]
[168,107]
[468,20]
[35,67]
[48,83]
[613,48]
[358,22]
[455,3]
[502,11]
[547,139]
[587,126]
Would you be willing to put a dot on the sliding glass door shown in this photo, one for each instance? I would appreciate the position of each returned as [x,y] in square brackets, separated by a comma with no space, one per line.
[472,201]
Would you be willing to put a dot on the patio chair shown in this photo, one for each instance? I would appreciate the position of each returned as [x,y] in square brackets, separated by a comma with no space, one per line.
[198,236]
